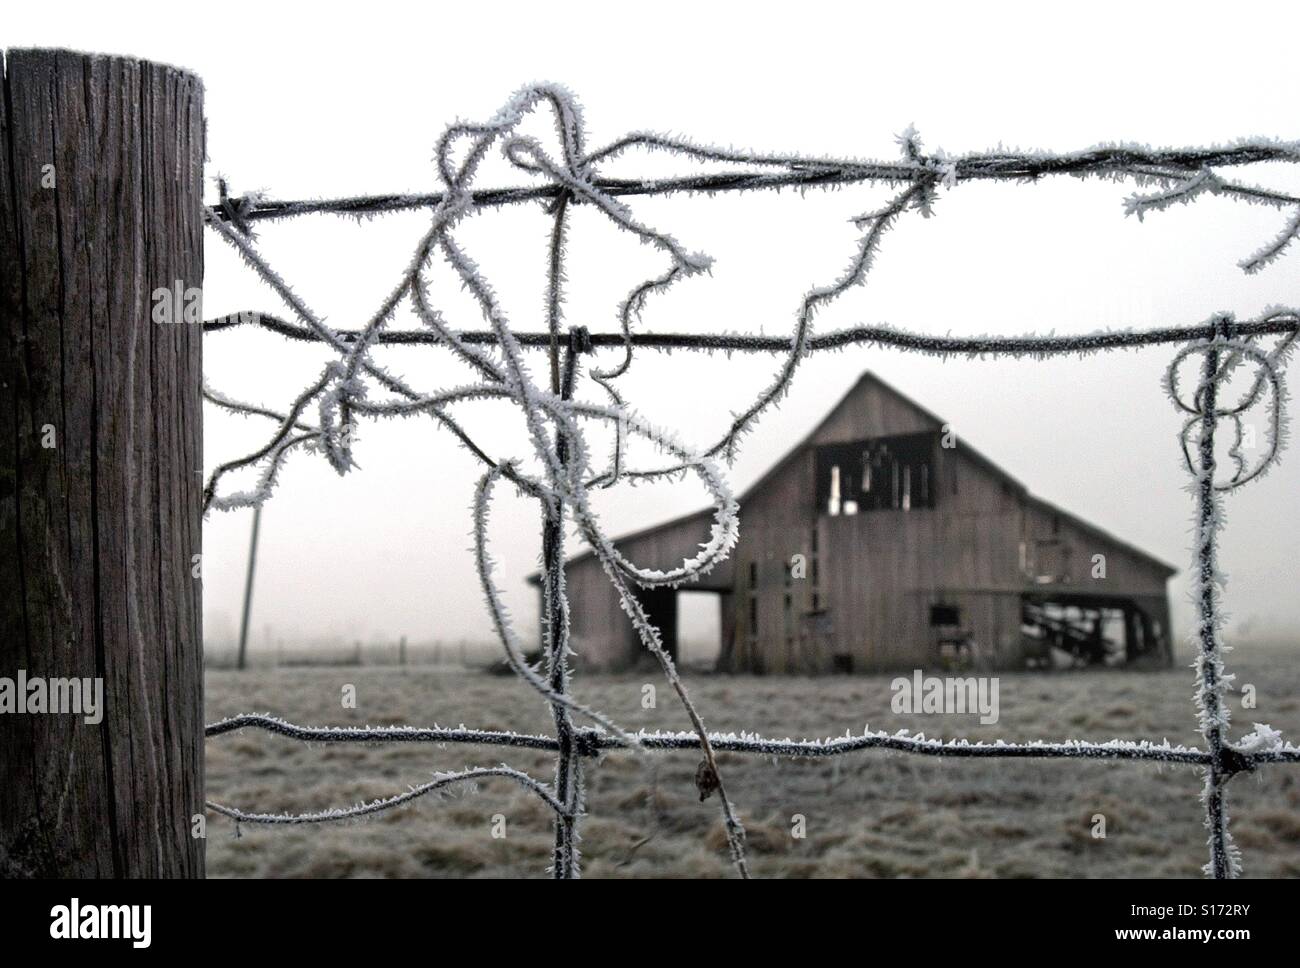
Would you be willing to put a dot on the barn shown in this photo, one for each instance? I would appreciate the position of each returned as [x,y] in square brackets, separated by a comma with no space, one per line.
[884,542]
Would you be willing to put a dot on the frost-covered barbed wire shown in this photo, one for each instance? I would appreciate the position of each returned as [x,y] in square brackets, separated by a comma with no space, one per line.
[555,418]
[440,781]
[1167,168]
[552,421]
[1263,745]
[1221,356]
[1274,321]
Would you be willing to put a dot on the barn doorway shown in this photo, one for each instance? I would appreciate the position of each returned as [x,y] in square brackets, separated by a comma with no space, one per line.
[660,606]
[690,624]
[699,634]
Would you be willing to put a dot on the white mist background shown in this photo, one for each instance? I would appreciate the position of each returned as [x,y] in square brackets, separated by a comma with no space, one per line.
[345,99]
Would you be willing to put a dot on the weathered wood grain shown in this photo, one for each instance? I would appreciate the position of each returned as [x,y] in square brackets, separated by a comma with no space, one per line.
[98,534]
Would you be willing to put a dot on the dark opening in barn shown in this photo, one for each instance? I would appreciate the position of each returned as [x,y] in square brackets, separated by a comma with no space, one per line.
[1092,630]
[885,473]
[660,606]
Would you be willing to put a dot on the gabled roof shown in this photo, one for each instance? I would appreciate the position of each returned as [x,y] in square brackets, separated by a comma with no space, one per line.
[869,378]
[866,378]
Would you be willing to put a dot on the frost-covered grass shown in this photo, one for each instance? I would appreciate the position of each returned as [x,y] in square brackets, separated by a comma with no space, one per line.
[868,814]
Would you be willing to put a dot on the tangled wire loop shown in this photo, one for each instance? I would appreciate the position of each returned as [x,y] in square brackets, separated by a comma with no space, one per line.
[553,420]
[1221,357]
[1209,401]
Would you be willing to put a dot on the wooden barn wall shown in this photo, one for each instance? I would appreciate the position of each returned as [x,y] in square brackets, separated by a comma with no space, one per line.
[873,411]
[885,569]
[1056,544]
[777,523]
[600,631]
[878,572]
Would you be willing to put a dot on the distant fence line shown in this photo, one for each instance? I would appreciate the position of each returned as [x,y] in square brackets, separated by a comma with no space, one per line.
[555,418]
[356,653]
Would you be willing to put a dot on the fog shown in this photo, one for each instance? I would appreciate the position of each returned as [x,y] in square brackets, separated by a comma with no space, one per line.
[384,551]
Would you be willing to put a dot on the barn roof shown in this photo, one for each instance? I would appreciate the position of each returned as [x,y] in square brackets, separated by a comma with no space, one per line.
[867,377]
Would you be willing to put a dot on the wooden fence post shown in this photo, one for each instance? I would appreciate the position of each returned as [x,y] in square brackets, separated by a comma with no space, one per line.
[101,176]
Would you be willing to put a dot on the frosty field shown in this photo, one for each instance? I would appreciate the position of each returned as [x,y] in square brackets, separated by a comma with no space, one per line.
[869,814]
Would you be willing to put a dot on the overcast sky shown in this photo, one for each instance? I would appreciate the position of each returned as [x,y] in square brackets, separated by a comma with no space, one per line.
[340,99]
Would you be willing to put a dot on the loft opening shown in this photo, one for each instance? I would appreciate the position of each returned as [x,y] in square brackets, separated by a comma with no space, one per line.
[894,473]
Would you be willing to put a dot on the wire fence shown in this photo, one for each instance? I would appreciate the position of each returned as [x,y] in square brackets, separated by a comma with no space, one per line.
[569,175]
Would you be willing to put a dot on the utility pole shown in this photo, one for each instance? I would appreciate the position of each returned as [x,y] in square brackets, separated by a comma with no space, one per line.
[248,587]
